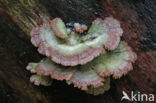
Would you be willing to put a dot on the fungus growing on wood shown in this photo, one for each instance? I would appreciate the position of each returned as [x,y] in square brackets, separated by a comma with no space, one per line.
[41,80]
[72,49]
[59,28]
[80,28]
[92,77]
[101,89]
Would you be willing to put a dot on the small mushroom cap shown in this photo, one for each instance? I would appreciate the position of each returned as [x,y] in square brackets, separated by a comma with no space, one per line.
[59,28]
[80,28]
[48,68]
[31,67]
[41,80]
[117,63]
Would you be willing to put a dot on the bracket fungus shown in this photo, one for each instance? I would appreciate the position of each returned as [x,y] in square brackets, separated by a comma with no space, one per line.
[80,28]
[86,61]
[94,76]
[70,48]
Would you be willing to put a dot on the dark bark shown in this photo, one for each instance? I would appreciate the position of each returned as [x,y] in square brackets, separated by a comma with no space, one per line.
[137,19]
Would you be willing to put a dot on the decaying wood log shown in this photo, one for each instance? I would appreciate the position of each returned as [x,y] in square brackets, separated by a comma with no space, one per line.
[18,17]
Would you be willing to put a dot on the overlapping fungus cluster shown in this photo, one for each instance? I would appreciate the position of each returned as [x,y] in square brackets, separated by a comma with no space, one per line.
[85,60]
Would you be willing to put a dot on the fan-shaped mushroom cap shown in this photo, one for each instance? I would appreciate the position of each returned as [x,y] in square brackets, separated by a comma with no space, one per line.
[80,77]
[111,27]
[114,32]
[117,63]
[59,28]
[58,72]
[84,77]
[75,49]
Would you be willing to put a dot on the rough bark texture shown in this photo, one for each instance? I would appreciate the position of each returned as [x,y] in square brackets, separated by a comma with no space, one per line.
[137,19]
